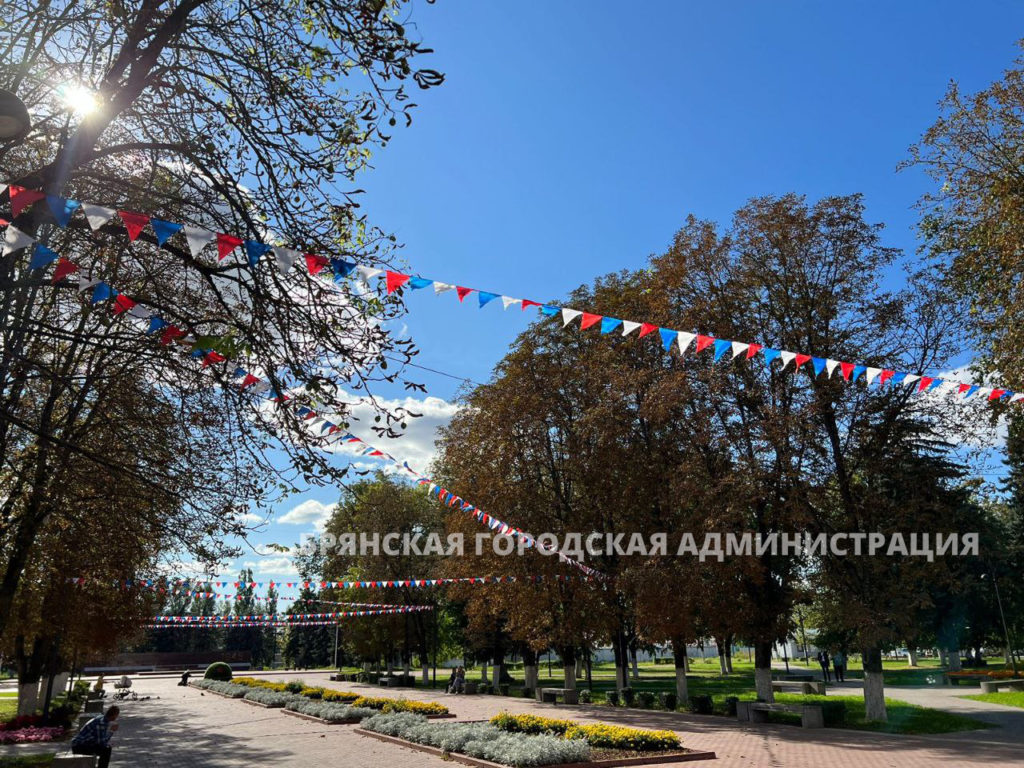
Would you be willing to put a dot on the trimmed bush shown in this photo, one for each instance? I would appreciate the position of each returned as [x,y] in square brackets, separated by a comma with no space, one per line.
[607,736]
[834,713]
[401,705]
[294,686]
[329,695]
[612,697]
[270,698]
[528,693]
[218,671]
[585,696]
[312,693]
[730,705]
[645,699]
[668,701]
[628,697]
[701,705]
[253,682]
[530,724]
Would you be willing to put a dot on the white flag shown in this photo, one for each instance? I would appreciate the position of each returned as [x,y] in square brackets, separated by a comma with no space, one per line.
[286,257]
[872,373]
[15,240]
[568,315]
[97,215]
[684,339]
[628,326]
[830,366]
[198,238]
[508,301]
[738,348]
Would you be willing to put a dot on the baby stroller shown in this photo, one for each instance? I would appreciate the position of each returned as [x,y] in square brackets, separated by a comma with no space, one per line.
[122,689]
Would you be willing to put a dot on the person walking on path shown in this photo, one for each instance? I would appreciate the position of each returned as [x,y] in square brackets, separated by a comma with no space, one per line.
[824,660]
[94,738]
[839,665]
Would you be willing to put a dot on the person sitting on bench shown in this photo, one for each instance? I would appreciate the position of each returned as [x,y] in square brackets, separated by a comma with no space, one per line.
[94,738]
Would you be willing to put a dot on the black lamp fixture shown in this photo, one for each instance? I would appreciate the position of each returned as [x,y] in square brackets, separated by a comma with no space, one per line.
[14,120]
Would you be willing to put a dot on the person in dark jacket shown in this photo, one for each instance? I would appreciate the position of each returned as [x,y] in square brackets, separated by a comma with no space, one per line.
[94,738]
[824,661]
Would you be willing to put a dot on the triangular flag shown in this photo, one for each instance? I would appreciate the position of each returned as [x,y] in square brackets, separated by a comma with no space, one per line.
[463,292]
[857,371]
[787,358]
[41,257]
[753,349]
[254,251]
[395,280]
[819,365]
[22,198]
[440,287]
[885,376]
[97,215]
[770,355]
[508,301]
[64,268]
[831,366]
[164,230]
[101,292]
[647,328]
[416,283]
[486,296]
[86,283]
[62,209]
[226,244]
[801,359]
[315,263]
[285,258]
[628,326]
[668,338]
[589,320]
[568,315]
[123,304]
[721,346]
[738,348]
[996,394]
[872,374]
[134,223]
[609,324]
[529,303]
[15,240]
[341,269]
[847,369]
[703,342]
[684,338]
[910,378]
[924,383]
[198,238]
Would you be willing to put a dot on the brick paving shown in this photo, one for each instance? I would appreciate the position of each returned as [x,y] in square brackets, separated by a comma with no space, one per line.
[183,728]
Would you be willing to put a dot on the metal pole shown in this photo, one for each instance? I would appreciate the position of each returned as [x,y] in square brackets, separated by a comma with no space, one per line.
[434,683]
[1002,616]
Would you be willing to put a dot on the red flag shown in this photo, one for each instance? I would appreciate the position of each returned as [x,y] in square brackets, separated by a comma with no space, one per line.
[133,222]
[395,280]
[752,350]
[122,304]
[171,332]
[647,328]
[801,359]
[885,376]
[22,198]
[213,357]
[226,244]
[924,383]
[703,342]
[463,292]
[589,320]
[530,303]
[847,369]
[996,394]
[63,269]
[316,264]
[249,380]
[963,388]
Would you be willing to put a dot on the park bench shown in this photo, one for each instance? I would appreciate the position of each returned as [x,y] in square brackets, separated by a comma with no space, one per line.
[550,695]
[75,761]
[94,706]
[811,715]
[993,686]
[807,687]
[969,679]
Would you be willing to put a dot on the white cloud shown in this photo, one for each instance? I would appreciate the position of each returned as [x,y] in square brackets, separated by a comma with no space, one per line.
[309,511]
[280,566]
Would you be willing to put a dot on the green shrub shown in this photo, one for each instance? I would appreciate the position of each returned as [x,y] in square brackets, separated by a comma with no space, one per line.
[646,699]
[585,696]
[218,671]
[730,705]
[834,713]
[294,686]
[628,697]
[612,697]
[312,693]
[531,724]
[528,693]
[701,705]
[344,696]
[668,701]
[503,688]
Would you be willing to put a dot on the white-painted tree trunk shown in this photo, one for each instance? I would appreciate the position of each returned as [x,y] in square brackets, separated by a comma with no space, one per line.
[579,667]
[569,675]
[60,683]
[634,665]
[912,657]
[954,660]
[721,663]
[425,674]
[682,689]
[530,673]
[28,698]
[874,697]
[483,673]
[620,678]
[763,685]
[943,657]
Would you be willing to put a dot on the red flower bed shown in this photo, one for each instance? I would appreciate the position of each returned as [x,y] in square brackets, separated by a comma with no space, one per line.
[996,673]
[21,721]
[30,734]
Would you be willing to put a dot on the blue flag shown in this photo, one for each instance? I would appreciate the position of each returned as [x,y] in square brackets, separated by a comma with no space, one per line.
[721,345]
[609,324]
[164,230]
[41,256]
[61,209]
[819,365]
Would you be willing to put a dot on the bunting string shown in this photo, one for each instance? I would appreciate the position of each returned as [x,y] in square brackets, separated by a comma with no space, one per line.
[336,269]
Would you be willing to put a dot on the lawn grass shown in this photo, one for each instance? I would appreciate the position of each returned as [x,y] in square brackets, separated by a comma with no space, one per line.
[1007,699]
[29,761]
[903,717]
[8,707]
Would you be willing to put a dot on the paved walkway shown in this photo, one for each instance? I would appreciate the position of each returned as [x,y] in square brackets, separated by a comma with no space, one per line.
[184,728]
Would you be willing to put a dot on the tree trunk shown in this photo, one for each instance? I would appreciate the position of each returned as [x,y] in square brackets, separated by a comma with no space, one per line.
[569,668]
[579,666]
[682,691]
[763,670]
[912,657]
[954,659]
[720,645]
[28,697]
[633,663]
[728,654]
[943,657]
[874,686]
[619,648]
[530,668]
[483,673]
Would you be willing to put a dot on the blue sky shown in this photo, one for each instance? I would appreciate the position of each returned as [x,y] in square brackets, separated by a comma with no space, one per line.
[571,139]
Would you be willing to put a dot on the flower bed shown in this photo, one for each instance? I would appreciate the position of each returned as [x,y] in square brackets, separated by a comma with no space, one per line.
[30,734]
[995,674]
[231,690]
[528,740]
[329,711]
